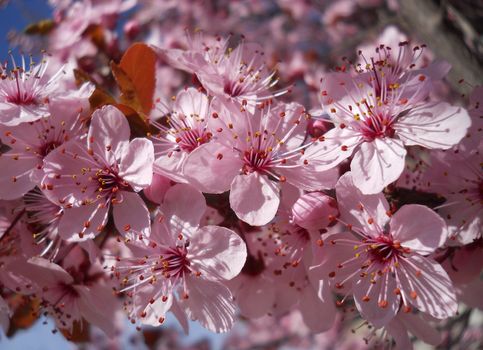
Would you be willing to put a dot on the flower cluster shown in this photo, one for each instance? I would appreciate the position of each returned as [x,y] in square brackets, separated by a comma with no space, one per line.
[191,177]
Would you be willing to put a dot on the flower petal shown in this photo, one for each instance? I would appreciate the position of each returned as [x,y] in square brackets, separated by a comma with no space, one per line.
[254,198]
[84,222]
[108,133]
[184,206]
[131,214]
[423,235]
[433,125]
[137,164]
[211,167]
[377,164]
[363,211]
[219,251]
[427,286]
[377,301]
[312,306]
[210,303]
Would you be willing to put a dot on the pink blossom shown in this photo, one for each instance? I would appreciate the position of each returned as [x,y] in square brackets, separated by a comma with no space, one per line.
[29,144]
[187,128]
[383,260]
[181,266]
[70,296]
[42,218]
[157,189]
[314,210]
[250,152]
[400,327]
[88,178]
[26,92]
[237,74]
[375,118]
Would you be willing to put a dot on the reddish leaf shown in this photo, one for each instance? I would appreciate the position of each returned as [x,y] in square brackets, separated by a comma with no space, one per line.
[26,312]
[139,63]
[80,332]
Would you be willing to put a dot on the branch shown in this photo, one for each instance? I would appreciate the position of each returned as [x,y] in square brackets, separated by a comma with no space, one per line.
[425,20]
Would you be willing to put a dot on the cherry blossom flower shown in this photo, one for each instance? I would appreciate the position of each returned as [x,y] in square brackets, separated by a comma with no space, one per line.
[376,120]
[237,74]
[26,92]
[399,330]
[42,218]
[187,128]
[70,295]
[29,144]
[88,178]
[181,266]
[383,261]
[255,153]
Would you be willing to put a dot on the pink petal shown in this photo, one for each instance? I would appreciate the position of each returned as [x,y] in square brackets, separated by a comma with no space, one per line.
[155,311]
[220,251]
[314,210]
[42,272]
[191,102]
[420,328]
[184,206]
[358,209]
[260,206]
[180,315]
[137,164]
[419,228]
[313,306]
[84,222]
[108,133]
[212,167]
[209,303]
[326,258]
[171,165]
[5,314]
[400,334]
[310,178]
[427,286]
[98,305]
[369,297]
[377,164]
[131,214]
[255,296]
[436,125]
[336,145]
[15,178]
[156,191]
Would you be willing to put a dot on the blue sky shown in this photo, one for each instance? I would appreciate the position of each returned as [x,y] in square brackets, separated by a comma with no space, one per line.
[17,15]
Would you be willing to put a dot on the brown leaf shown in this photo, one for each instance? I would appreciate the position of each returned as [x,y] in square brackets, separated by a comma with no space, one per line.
[129,96]
[26,312]
[139,63]
[100,98]
[138,124]
[80,332]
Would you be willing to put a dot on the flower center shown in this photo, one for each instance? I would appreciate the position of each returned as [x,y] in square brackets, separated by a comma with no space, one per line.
[48,147]
[377,126]
[189,139]
[234,89]
[256,160]
[174,262]
[384,249]
[110,182]
[19,93]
